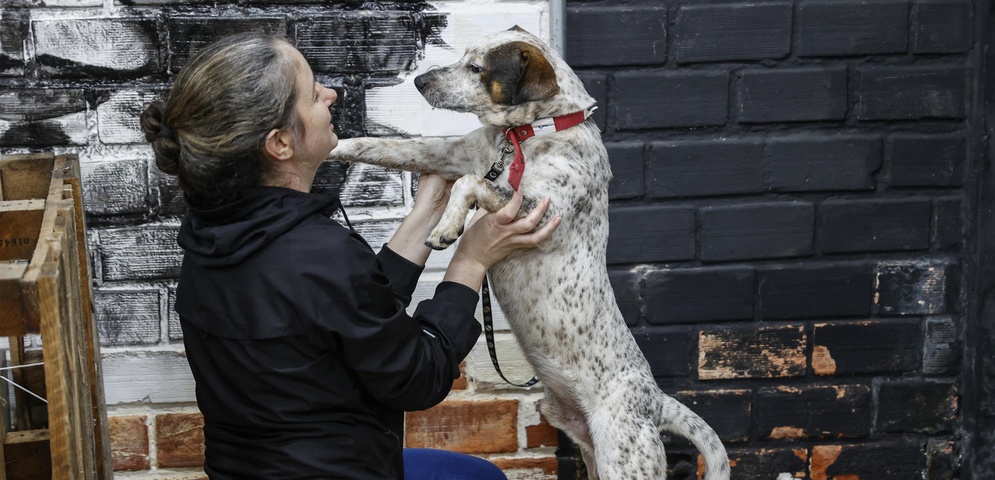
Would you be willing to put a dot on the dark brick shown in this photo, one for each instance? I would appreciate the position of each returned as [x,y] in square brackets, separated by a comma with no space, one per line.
[668,352]
[596,85]
[874,225]
[916,287]
[726,411]
[792,95]
[127,317]
[868,347]
[942,348]
[911,93]
[188,35]
[626,285]
[922,407]
[14,29]
[942,459]
[670,99]
[594,35]
[96,47]
[852,27]
[699,295]
[823,163]
[648,234]
[926,161]
[751,352]
[815,291]
[941,26]
[739,31]
[767,230]
[43,117]
[768,462]
[628,170]
[889,461]
[948,223]
[363,41]
[837,411]
[703,168]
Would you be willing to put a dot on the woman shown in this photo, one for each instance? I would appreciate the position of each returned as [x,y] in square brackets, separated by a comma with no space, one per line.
[296,332]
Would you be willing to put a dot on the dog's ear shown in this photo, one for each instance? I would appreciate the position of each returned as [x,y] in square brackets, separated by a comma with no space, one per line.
[518,72]
[516,28]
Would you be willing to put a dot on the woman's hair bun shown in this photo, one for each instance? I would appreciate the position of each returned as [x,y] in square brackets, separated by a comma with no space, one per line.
[164,142]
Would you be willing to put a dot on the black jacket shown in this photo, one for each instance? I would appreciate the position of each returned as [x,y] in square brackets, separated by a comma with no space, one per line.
[297,336]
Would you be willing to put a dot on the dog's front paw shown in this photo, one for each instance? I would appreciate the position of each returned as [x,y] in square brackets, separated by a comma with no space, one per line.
[441,238]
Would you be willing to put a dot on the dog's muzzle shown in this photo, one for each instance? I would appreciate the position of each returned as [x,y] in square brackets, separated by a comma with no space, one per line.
[422,81]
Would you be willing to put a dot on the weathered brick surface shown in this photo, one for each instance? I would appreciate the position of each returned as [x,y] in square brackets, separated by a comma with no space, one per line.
[667,351]
[96,47]
[792,95]
[750,352]
[838,411]
[763,230]
[628,170]
[866,347]
[915,287]
[190,34]
[541,435]
[362,41]
[738,31]
[129,437]
[465,426]
[43,117]
[766,462]
[926,161]
[887,461]
[650,234]
[825,290]
[910,93]
[823,162]
[118,113]
[678,169]
[595,33]
[179,440]
[135,253]
[948,223]
[127,317]
[14,28]
[699,295]
[874,225]
[670,99]
[942,347]
[726,411]
[116,187]
[941,26]
[852,27]
[924,407]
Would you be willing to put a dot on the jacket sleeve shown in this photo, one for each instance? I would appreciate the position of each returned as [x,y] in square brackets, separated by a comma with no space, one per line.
[405,362]
[402,273]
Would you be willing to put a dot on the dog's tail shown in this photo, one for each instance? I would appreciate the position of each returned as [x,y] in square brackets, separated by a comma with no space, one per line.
[679,419]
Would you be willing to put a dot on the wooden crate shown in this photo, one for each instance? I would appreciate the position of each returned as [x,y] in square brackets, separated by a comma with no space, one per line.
[45,289]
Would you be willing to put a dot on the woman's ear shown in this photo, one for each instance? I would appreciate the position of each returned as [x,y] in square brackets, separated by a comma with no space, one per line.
[279,145]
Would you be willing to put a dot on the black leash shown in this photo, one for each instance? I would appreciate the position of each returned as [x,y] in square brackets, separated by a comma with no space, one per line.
[485,295]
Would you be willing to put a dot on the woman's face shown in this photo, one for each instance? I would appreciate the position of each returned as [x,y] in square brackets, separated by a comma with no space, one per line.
[313,104]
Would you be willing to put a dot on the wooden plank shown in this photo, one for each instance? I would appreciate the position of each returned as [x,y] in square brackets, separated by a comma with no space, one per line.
[27,436]
[26,176]
[11,310]
[21,220]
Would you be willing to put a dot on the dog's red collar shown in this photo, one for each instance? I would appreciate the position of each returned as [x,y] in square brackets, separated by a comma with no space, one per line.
[538,128]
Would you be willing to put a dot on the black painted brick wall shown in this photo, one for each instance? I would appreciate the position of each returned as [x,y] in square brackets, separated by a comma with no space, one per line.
[787,220]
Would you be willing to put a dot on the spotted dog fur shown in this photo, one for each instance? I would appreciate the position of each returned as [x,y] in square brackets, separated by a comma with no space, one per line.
[598,386]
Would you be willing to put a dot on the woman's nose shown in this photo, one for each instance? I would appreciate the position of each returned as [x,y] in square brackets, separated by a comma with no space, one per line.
[330,96]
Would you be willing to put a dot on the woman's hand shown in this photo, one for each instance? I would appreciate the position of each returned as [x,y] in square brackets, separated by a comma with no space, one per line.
[495,235]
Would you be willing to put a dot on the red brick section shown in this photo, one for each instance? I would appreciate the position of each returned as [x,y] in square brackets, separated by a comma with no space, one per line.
[180,439]
[129,442]
[461,383]
[772,352]
[467,427]
[541,435]
[546,465]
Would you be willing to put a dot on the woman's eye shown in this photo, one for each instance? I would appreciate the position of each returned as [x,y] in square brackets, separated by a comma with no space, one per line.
[475,68]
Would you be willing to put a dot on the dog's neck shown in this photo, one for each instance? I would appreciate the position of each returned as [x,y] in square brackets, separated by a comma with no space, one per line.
[541,127]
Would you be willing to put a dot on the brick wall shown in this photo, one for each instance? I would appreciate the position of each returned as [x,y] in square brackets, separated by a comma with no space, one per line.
[791,229]
[791,220]
[75,75]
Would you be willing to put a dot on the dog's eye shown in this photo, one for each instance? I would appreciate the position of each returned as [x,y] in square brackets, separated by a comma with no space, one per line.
[475,68]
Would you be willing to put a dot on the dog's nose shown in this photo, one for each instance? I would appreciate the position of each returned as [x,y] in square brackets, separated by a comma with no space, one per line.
[421,81]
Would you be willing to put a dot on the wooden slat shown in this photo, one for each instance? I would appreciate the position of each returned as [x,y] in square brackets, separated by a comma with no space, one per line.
[27,436]
[26,176]
[21,223]
[11,311]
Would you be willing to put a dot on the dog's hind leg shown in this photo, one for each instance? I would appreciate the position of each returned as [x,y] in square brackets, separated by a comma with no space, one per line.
[629,446]
[570,420]
[467,191]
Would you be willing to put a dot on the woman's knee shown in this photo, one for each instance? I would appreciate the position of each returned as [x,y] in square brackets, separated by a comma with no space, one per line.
[432,464]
